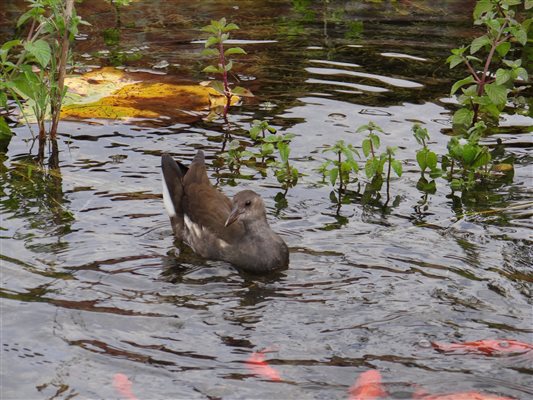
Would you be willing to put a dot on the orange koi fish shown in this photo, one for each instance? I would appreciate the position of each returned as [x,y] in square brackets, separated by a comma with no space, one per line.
[257,364]
[122,385]
[367,386]
[488,347]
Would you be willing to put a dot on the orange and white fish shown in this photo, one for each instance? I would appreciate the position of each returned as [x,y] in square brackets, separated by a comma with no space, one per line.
[257,364]
[367,386]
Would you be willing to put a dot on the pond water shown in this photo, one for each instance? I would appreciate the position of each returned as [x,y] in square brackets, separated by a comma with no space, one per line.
[92,285]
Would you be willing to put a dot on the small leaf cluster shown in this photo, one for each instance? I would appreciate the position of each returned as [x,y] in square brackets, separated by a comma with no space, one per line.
[426,159]
[485,91]
[29,67]
[342,166]
[467,160]
[214,47]
[375,163]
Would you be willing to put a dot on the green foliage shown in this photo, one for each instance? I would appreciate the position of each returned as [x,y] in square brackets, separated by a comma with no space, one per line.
[342,166]
[33,68]
[286,174]
[235,155]
[484,93]
[467,161]
[214,47]
[426,159]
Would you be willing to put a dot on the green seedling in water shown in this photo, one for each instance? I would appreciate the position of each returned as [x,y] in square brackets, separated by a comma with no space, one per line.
[426,159]
[467,161]
[375,163]
[491,75]
[33,68]
[258,134]
[286,174]
[235,156]
[214,47]
[342,166]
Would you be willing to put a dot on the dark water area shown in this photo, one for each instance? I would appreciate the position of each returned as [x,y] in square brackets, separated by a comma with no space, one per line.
[91,282]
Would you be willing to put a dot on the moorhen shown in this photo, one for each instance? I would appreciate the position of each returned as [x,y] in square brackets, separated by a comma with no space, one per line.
[216,227]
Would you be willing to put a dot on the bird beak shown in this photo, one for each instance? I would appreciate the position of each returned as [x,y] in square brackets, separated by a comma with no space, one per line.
[233,216]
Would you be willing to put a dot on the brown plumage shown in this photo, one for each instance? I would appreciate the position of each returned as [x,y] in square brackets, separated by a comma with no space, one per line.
[214,226]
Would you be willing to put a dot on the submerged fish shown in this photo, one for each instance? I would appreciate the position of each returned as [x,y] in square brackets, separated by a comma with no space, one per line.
[484,346]
[256,362]
[367,386]
[123,385]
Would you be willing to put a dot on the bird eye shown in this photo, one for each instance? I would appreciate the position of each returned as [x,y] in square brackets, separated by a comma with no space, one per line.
[247,202]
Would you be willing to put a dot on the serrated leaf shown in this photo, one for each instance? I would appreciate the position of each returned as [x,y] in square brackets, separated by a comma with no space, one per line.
[397,167]
[478,43]
[462,82]
[211,41]
[496,93]
[240,91]
[41,50]
[502,76]
[234,50]
[333,174]
[454,60]
[463,116]
[230,27]
[5,130]
[503,48]
[210,52]
[211,69]
[482,7]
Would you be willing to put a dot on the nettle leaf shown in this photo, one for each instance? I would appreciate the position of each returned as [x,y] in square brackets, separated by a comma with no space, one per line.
[41,50]
[230,27]
[454,60]
[366,147]
[482,7]
[503,48]
[210,52]
[496,93]
[478,43]
[521,73]
[333,174]
[211,41]
[234,50]
[397,167]
[240,91]
[5,130]
[463,116]
[503,75]
[462,82]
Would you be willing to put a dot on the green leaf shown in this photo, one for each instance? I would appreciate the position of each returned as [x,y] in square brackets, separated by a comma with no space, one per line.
[502,76]
[230,27]
[478,43]
[31,13]
[469,153]
[211,41]
[5,130]
[521,36]
[218,86]
[234,50]
[284,151]
[503,48]
[211,69]
[482,7]
[366,147]
[496,93]
[4,50]
[228,66]
[463,116]
[462,82]
[522,73]
[210,52]
[240,91]
[454,60]
[3,98]
[41,50]
[333,174]
[397,167]
[528,4]
[421,158]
